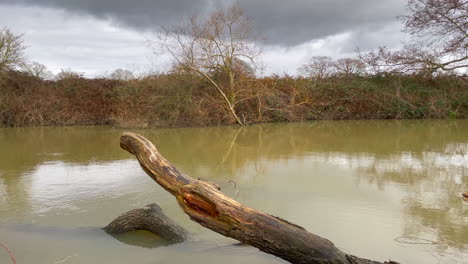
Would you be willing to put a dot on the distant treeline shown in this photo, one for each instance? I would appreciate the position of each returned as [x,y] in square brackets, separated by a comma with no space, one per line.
[184,99]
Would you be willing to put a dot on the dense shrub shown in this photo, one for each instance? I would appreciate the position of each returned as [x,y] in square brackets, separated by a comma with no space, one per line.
[181,99]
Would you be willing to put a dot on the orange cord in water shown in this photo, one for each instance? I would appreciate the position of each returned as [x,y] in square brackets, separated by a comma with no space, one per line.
[9,252]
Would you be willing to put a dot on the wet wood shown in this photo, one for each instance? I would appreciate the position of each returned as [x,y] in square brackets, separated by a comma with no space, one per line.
[150,218]
[207,205]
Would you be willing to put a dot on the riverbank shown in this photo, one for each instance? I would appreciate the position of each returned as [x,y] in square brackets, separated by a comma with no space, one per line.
[175,100]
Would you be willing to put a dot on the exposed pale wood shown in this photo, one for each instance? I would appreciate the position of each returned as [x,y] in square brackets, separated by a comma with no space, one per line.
[208,206]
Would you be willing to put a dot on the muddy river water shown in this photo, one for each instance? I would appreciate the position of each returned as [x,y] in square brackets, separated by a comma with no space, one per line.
[377,189]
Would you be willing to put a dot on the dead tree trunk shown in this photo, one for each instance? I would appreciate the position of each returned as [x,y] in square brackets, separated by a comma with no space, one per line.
[150,218]
[208,206]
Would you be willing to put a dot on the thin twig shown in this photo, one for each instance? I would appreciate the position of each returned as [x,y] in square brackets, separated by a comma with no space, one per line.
[234,184]
[9,252]
[423,241]
[64,259]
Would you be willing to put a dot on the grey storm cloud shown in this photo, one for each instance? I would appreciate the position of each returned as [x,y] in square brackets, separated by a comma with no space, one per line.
[140,14]
[293,22]
[284,23]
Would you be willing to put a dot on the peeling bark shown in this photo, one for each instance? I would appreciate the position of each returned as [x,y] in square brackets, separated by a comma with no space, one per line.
[208,206]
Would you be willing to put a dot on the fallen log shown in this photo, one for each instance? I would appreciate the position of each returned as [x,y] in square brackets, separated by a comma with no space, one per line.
[150,218]
[207,205]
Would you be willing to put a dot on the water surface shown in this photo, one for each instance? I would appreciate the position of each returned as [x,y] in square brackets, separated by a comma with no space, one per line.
[377,189]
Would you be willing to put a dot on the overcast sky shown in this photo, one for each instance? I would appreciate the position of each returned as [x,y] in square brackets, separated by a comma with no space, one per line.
[98,36]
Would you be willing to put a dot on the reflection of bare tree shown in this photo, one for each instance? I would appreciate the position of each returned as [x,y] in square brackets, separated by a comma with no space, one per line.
[23,148]
[192,148]
[435,204]
[231,144]
[432,181]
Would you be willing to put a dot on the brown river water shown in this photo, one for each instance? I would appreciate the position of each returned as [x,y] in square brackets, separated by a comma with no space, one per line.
[377,189]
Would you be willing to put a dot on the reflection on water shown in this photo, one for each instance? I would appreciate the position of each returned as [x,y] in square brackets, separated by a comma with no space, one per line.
[396,182]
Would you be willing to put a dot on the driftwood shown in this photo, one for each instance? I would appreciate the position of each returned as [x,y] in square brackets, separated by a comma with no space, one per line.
[207,205]
[150,218]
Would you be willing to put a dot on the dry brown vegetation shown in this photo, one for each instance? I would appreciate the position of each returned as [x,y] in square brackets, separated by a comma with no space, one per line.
[182,99]
[212,81]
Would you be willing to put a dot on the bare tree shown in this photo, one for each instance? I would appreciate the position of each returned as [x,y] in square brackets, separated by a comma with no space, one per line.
[318,67]
[11,50]
[121,74]
[443,23]
[219,48]
[439,31]
[349,67]
[38,70]
[68,74]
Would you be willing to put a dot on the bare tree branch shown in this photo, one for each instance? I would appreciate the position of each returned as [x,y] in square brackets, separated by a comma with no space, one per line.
[11,50]
[439,31]
[219,48]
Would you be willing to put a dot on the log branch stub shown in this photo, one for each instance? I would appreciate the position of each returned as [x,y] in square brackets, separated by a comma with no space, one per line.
[150,218]
[208,206]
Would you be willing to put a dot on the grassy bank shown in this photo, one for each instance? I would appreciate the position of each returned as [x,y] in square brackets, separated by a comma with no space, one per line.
[186,100]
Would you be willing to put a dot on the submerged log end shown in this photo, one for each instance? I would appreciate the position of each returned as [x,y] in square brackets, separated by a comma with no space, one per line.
[150,218]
